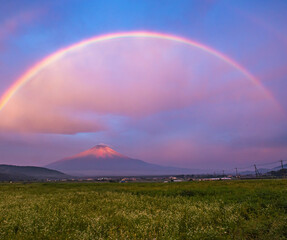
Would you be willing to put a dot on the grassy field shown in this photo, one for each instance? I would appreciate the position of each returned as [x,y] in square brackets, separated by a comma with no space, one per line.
[254,209]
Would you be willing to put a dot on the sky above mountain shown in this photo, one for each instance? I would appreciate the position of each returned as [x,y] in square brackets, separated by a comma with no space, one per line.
[195,84]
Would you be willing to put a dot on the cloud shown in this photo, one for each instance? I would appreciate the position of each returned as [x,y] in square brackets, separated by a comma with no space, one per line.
[155,100]
[142,80]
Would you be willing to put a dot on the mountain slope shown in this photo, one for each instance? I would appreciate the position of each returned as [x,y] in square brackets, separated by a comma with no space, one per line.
[101,160]
[19,173]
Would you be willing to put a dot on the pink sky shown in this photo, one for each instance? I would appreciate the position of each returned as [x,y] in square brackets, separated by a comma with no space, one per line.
[152,99]
[163,102]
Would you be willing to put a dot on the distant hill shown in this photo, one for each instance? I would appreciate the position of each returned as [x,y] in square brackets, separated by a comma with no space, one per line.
[264,170]
[101,160]
[279,167]
[26,173]
[278,173]
[251,172]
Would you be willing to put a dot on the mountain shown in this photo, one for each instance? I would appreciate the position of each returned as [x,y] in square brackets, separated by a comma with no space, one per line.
[27,173]
[101,160]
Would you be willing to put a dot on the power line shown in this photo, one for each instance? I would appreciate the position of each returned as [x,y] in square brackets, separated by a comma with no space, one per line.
[255,166]
[262,164]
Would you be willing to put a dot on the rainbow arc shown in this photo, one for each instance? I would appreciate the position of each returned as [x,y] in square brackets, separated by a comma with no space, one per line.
[28,75]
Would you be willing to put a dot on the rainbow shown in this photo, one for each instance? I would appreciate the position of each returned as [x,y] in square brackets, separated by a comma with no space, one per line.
[54,57]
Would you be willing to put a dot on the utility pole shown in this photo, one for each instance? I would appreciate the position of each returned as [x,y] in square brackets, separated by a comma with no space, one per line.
[236,173]
[282,167]
[223,172]
[256,171]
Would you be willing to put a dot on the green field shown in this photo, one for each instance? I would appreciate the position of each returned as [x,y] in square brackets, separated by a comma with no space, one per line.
[255,209]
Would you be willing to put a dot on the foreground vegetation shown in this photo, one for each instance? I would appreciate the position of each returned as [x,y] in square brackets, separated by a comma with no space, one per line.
[254,209]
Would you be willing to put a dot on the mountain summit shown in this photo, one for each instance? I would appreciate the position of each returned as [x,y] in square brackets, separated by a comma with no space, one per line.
[100,151]
[102,160]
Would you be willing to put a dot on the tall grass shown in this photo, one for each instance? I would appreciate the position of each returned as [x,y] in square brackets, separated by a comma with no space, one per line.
[192,210]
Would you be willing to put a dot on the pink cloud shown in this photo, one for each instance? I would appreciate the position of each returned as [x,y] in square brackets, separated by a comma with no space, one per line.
[134,78]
